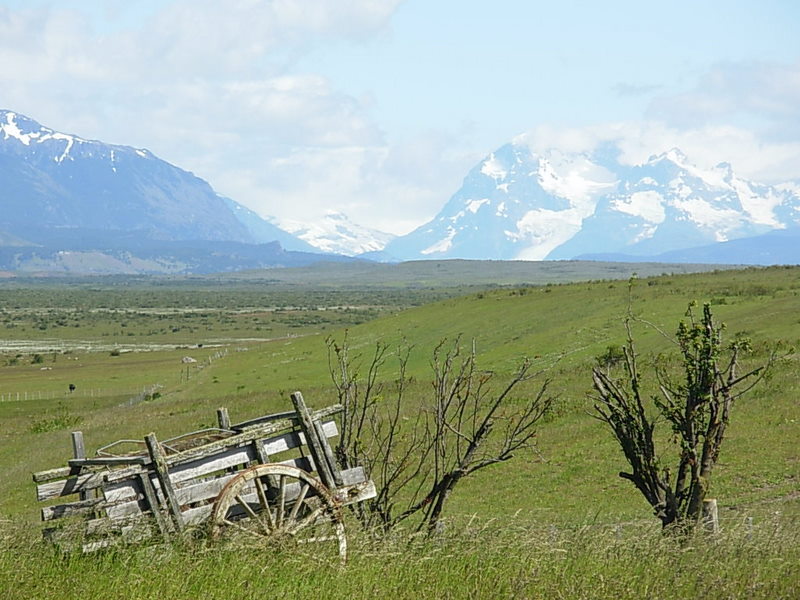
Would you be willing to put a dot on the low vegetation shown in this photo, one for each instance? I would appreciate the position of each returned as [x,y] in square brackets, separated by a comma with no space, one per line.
[557,523]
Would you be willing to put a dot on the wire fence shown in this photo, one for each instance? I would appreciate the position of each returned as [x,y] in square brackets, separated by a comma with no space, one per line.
[74,393]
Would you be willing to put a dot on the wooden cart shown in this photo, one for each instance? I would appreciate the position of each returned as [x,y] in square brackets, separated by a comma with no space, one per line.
[270,479]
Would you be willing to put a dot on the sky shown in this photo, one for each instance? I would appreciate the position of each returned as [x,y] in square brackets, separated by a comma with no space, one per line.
[379,108]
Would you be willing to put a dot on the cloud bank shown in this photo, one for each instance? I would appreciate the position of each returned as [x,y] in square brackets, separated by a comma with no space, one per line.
[217,88]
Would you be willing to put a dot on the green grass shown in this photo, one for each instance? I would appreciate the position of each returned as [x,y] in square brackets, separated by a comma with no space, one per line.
[499,559]
[548,521]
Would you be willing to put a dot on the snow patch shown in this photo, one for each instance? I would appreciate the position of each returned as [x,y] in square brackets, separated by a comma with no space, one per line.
[11,129]
[474,206]
[493,168]
[442,245]
[575,178]
[700,211]
[760,208]
[545,230]
[335,233]
[69,140]
[648,205]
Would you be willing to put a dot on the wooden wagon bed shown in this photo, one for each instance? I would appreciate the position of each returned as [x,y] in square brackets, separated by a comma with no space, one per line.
[274,477]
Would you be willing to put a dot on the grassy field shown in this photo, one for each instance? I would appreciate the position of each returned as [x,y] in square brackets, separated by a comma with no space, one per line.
[558,523]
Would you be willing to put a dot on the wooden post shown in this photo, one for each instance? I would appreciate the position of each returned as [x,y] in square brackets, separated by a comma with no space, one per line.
[313,441]
[710,515]
[160,465]
[79,451]
[223,419]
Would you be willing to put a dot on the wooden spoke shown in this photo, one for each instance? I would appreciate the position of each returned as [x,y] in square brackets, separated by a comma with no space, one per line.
[300,503]
[243,503]
[262,498]
[307,520]
[281,501]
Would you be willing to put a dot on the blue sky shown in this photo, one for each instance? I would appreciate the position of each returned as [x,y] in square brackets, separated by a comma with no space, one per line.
[378,108]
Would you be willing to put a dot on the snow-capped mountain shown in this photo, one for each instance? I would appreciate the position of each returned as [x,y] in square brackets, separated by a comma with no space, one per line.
[62,193]
[337,234]
[517,204]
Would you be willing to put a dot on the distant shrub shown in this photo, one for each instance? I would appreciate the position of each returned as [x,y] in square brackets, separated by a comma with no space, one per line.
[60,419]
[613,355]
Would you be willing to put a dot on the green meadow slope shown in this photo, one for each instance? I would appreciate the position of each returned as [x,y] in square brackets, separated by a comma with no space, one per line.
[570,483]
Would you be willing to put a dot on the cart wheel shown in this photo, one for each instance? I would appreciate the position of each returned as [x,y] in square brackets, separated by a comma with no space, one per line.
[282,504]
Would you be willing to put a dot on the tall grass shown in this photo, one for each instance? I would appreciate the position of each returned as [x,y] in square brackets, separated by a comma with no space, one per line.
[472,560]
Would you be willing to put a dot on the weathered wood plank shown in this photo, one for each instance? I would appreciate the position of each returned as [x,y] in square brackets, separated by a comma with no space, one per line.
[353,476]
[327,451]
[152,502]
[352,494]
[209,489]
[245,437]
[260,432]
[162,470]
[66,487]
[125,510]
[313,440]
[79,451]
[70,509]
[51,474]
[223,419]
[108,461]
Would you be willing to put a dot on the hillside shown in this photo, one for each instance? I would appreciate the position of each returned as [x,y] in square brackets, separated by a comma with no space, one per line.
[571,485]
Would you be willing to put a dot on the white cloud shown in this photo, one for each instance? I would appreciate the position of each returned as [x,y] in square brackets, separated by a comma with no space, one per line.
[211,87]
[752,155]
[761,95]
[214,87]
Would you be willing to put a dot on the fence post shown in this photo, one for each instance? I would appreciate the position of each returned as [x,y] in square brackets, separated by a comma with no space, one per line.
[710,515]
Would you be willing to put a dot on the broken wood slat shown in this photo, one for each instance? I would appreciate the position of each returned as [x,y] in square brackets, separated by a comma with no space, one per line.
[129,535]
[162,470]
[70,509]
[51,474]
[313,440]
[152,501]
[78,447]
[353,476]
[135,507]
[66,487]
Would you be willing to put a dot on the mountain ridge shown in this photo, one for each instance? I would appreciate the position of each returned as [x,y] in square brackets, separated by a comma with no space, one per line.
[63,193]
[521,204]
